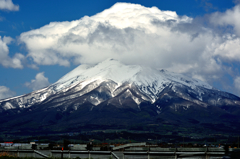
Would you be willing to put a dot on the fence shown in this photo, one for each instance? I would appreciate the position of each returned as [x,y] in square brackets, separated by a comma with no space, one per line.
[133,152]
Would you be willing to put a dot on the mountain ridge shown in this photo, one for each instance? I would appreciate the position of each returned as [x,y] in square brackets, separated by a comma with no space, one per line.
[133,74]
[111,92]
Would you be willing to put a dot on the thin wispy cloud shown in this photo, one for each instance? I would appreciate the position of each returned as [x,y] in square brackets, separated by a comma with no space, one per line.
[1,18]
[236,1]
[207,5]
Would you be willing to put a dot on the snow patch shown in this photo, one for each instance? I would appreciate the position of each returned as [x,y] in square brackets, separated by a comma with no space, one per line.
[8,106]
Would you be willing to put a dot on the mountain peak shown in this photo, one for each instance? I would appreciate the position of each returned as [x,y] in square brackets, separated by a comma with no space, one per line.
[109,69]
[150,81]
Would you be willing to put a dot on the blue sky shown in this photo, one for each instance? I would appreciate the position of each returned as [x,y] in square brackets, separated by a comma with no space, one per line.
[43,40]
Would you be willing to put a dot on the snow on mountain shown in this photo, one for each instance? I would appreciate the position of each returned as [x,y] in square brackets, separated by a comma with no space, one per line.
[120,73]
[113,77]
[150,81]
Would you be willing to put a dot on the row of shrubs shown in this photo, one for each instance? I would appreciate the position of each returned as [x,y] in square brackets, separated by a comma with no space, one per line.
[6,155]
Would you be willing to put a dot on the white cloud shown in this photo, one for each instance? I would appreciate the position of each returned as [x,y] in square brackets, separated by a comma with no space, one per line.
[228,18]
[135,34]
[237,84]
[39,82]
[128,32]
[229,50]
[6,92]
[5,60]
[8,5]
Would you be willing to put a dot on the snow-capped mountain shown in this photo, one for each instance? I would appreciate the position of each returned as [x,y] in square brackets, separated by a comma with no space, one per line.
[112,78]
[111,86]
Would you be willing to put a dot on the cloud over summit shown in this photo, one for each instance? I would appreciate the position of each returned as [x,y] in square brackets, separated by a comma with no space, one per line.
[120,32]
[135,34]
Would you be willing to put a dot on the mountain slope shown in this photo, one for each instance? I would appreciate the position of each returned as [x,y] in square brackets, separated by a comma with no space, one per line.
[113,93]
